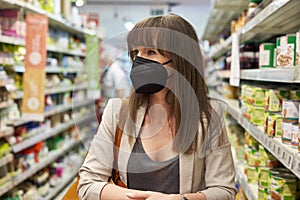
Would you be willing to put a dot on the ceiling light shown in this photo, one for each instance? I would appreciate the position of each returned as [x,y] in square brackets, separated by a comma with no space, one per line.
[129,26]
[79,3]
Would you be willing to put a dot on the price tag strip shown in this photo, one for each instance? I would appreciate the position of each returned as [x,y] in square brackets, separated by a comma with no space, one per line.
[296,165]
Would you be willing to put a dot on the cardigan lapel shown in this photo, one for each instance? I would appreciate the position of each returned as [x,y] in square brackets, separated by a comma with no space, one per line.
[186,171]
[130,130]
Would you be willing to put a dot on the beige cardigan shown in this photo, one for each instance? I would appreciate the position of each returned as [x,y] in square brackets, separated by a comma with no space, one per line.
[212,174]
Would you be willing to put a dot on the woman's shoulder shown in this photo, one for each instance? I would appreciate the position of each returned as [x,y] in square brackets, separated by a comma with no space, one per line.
[114,105]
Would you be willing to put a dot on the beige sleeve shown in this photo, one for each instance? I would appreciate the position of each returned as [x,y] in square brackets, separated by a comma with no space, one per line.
[219,166]
[97,166]
[220,174]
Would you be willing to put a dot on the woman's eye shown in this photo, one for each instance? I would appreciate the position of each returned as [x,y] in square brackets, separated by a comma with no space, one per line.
[150,52]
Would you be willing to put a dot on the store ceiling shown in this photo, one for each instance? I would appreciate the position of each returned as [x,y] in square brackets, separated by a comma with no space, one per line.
[149,2]
[114,13]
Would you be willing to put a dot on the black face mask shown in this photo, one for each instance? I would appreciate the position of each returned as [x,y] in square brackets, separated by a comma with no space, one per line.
[148,76]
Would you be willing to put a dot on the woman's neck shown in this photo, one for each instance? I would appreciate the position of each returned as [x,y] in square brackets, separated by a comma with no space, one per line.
[159,98]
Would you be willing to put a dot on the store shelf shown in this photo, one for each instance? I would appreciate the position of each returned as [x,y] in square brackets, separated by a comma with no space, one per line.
[278,18]
[6,131]
[280,75]
[45,162]
[59,89]
[21,42]
[69,52]
[219,50]
[53,110]
[67,178]
[221,14]
[251,190]
[6,187]
[45,134]
[54,21]
[287,155]
[53,155]
[6,104]
[6,159]
[11,40]
[21,69]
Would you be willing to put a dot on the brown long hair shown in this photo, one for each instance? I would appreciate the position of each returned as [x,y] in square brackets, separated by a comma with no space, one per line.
[174,36]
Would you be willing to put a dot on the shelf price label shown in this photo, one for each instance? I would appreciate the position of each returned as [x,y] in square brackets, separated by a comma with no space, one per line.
[296,166]
[286,157]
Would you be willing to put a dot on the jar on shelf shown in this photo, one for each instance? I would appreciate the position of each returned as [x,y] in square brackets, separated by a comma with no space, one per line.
[251,7]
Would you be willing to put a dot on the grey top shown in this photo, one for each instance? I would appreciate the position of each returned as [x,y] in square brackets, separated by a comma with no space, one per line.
[145,174]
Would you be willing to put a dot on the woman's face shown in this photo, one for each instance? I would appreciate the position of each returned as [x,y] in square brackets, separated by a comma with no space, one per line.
[154,54]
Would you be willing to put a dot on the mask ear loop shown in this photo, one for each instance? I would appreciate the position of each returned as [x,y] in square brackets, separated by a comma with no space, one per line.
[167,62]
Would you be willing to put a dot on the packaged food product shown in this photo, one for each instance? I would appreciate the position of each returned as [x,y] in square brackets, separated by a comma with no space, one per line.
[286,51]
[266,55]
[290,109]
[274,124]
[257,115]
[273,99]
[253,157]
[283,186]
[278,127]
[294,135]
[287,130]
[264,177]
[295,94]
[266,159]
[263,193]
[259,97]
[252,174]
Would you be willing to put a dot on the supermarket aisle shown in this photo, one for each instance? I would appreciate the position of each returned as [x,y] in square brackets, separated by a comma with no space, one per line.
[258,78]
[252,49]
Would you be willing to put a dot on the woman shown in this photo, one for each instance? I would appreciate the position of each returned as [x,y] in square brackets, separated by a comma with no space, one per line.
[174,143]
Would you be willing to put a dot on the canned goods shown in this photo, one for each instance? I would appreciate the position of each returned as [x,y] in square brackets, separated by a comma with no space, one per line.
[290,109]
[266,159]
[278,127]
[274,99]
[271,124]
[294,135]
[259,97]
[283,186]
[250,140]
[295,94]
[264,177]
[266,55]
[257,116]
[252,174]
[263,193]
[287,130]
[253,157]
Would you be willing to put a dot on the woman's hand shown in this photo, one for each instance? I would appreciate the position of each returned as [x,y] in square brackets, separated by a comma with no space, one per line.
[148,195]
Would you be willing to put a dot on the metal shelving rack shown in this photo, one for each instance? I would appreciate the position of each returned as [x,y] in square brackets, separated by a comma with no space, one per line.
[42,134]
[279,75]
[287,155]
[279,17]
